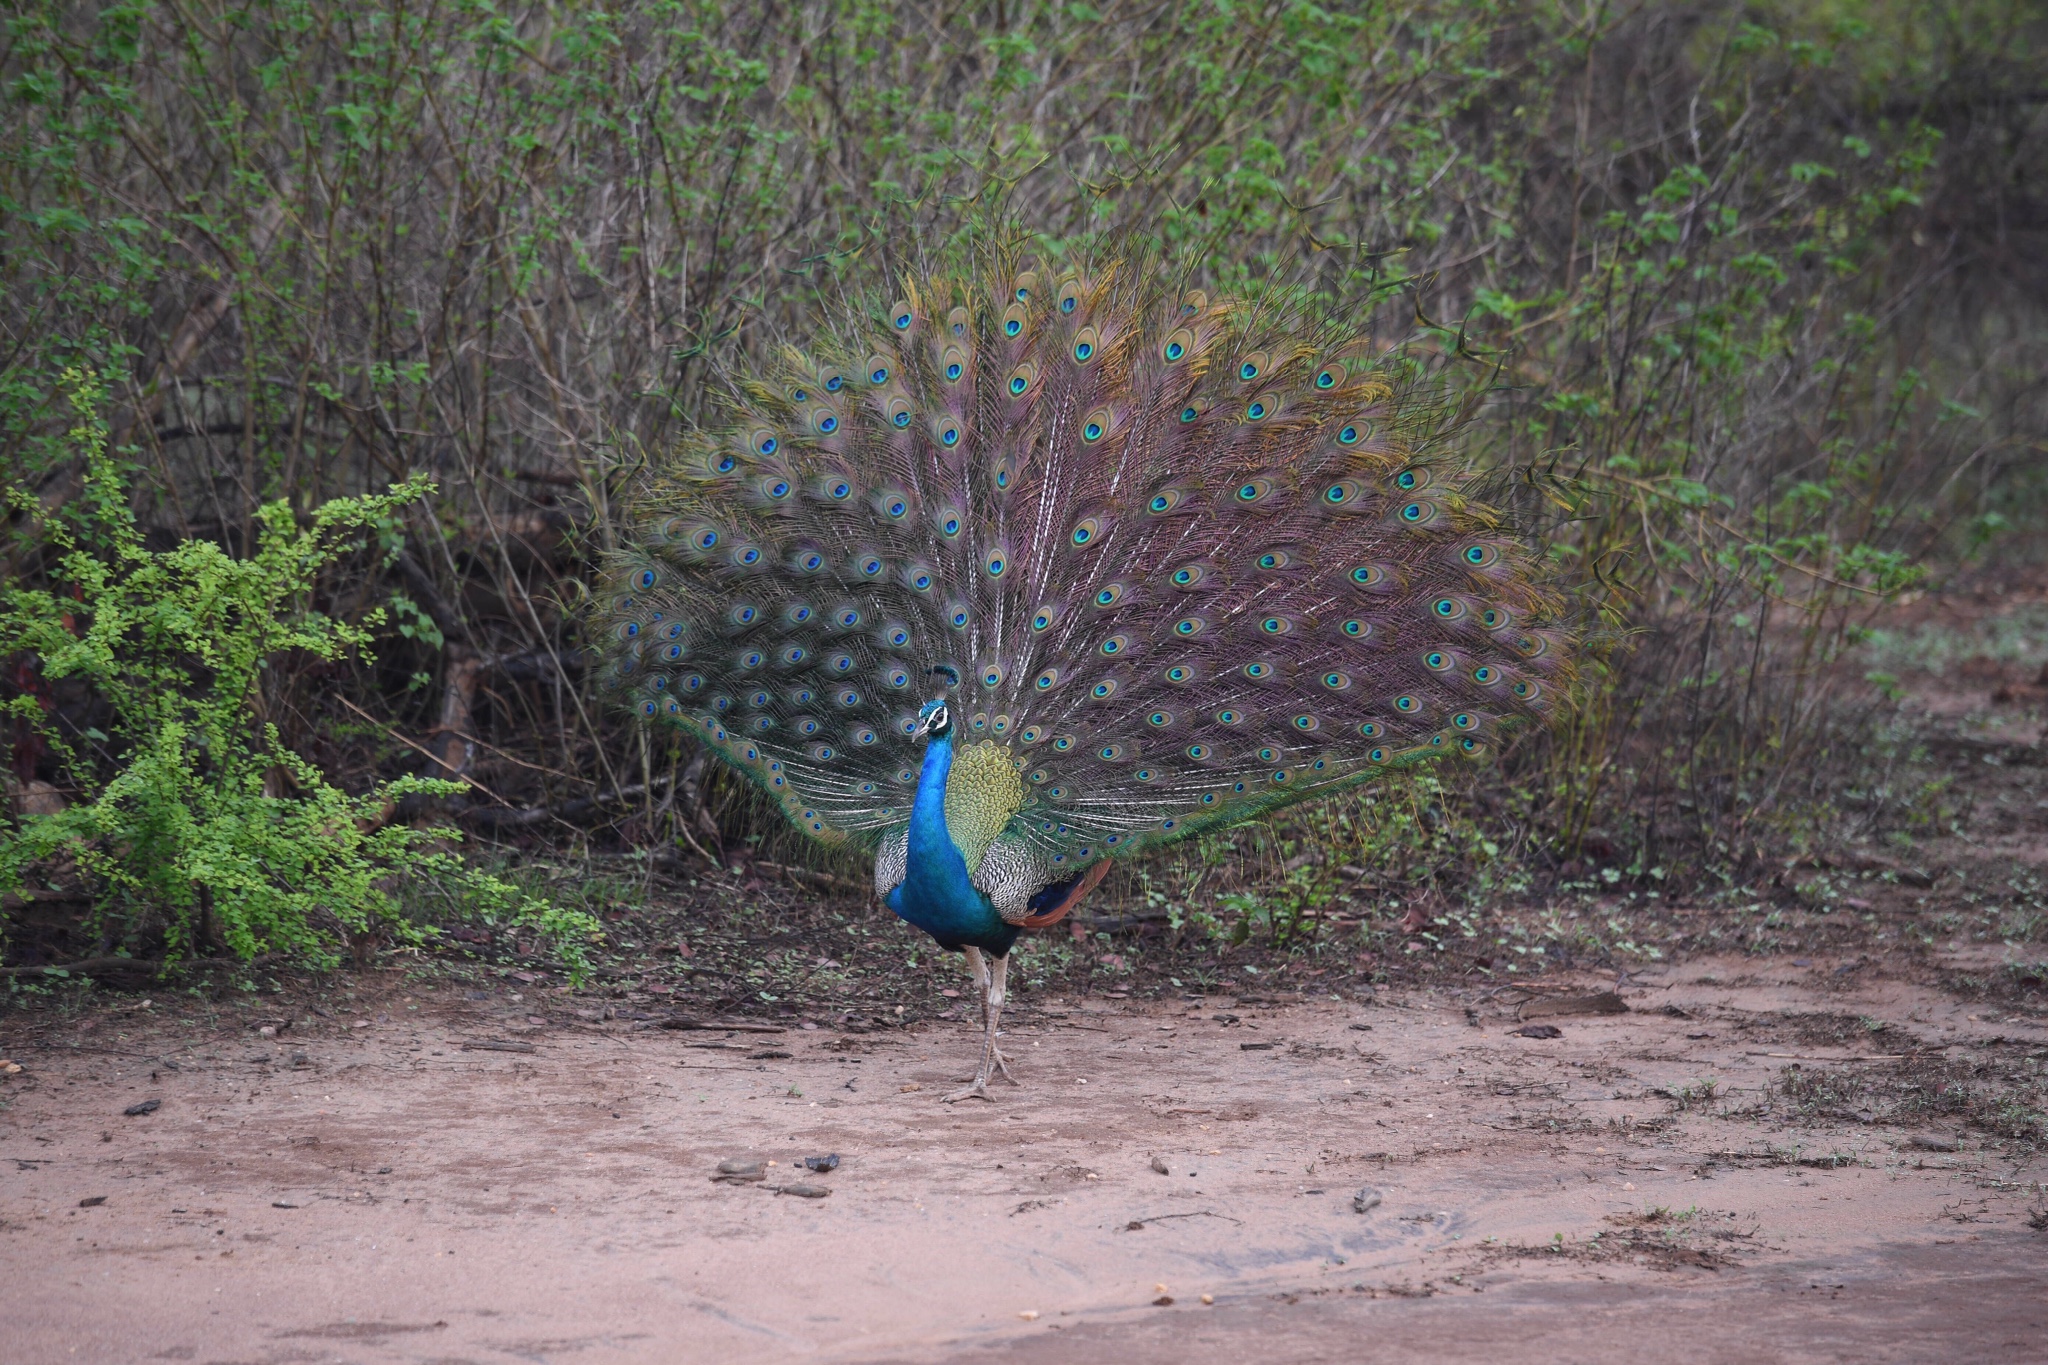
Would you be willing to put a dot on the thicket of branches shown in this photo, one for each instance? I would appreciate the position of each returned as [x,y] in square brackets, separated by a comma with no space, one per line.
[1763,284]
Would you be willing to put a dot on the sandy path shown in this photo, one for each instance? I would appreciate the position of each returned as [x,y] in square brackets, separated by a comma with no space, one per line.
[397,1198]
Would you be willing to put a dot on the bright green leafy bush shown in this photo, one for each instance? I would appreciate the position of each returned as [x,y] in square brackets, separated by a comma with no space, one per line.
[202,832]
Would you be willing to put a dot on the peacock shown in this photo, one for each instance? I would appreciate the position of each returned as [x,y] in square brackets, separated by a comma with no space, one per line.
[1125,562]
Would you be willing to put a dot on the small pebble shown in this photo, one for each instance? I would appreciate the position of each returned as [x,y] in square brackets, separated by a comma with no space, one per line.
[1365,1201]
[1208,1298]
[802,1191]
[1159,1165]
[1029,1315]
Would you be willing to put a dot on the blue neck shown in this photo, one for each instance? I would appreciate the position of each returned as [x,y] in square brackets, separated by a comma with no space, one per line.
[937,895]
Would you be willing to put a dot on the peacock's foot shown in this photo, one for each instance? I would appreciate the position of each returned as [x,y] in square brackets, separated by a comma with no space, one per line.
[977,1091]
[1003,1067]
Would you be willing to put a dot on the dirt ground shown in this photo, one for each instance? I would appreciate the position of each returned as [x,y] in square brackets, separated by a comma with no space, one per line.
[378,1187]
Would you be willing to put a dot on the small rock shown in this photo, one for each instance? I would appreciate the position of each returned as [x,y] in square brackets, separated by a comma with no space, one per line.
[267,1031]
[1365,1201]
[1537,1031]
[803,1191]
[93,1202]
[1208,1298]
[146,1107]
[1029,1315]
[738,1171]
[821,1164]
[906,1089]
[1163,1301]
[280,1204]
[1932,1142]
[1159,1165]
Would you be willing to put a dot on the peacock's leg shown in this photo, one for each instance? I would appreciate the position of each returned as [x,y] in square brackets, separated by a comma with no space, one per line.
[998,989]
[978,1087]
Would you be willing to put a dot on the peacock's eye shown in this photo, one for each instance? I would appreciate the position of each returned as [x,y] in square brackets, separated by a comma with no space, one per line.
[1189,414]
[879,375]
[1326,378]
[1018,384]
[1092,432]
[1348,436]
[828,424]
[646,579]
[726,464]
[903,321]
[1406,479]
[1174,350]
[901,419]
[1256,409]
[954,370]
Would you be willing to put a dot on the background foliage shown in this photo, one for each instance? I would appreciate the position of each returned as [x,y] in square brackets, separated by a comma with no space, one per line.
[1756,292]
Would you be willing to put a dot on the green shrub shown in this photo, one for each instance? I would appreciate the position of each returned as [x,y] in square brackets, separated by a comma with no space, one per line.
[202,830]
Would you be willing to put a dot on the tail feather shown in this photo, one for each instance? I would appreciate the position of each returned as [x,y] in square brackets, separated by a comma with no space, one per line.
[1191,559]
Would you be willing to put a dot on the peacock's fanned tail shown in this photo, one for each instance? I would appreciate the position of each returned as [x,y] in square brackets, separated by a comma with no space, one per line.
[1189,563]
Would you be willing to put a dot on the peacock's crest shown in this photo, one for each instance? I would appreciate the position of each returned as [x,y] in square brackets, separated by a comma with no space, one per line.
[1189,560]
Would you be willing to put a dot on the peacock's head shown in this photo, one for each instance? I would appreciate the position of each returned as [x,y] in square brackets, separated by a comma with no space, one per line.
[935,721]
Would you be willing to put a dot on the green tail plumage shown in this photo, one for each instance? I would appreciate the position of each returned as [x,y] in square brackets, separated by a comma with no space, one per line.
[1189,566]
